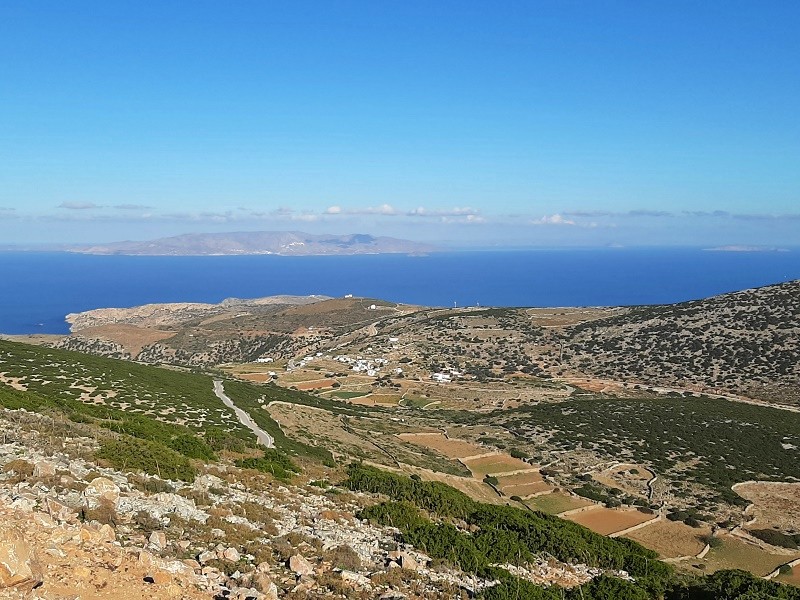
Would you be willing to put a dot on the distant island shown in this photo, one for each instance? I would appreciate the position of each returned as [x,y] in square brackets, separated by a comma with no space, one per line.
[285,243]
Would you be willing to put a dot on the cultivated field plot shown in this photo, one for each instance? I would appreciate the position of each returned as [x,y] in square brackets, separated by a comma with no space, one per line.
[774,504]
[164,394]
[736,554]
[749,442]
[318,384]
[671,539]
[451,448]
[495,464]
[523,484]
[557,503]
[607,520]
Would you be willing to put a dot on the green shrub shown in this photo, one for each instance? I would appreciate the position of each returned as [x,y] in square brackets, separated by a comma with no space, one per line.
[132,454]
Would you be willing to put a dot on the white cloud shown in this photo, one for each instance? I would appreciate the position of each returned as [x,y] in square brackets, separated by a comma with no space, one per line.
[449,212]
[555,219]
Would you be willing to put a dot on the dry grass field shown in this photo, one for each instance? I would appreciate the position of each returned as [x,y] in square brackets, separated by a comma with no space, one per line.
[607,520]
[523,484]
[556,503]
[671,539]
[495,464]
[737,554]
[319,384]
[437,441]
[774,504]
[132,338]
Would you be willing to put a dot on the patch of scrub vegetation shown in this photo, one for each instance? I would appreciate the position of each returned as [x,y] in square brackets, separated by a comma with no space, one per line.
[476,537]
[711,442]
[169,395]
[142,443]
[275,462]
[132,454]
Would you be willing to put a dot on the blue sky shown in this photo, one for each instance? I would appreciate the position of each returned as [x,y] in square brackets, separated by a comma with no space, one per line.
[514,123]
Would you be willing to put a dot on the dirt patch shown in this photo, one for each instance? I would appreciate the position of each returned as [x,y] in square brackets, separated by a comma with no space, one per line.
[774,504]
[608,520]
[671,539]
[792,578]
[437,441]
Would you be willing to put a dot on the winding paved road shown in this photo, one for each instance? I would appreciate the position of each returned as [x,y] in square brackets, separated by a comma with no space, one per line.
[262,436]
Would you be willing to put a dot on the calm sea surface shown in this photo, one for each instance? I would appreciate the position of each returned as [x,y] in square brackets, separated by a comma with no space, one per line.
[38,289]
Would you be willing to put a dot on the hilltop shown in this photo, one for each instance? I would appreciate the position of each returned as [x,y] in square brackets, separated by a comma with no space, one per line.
[284,243]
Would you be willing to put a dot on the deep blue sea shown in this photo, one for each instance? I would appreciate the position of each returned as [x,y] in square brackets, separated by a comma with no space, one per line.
[38,289]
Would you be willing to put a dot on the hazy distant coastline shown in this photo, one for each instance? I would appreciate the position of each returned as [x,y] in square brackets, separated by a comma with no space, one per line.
[282,243]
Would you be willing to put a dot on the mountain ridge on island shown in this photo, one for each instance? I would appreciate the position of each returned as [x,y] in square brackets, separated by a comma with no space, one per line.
[282,243]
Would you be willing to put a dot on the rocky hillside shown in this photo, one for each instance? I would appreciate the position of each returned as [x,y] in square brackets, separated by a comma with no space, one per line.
[746,342]
[73,528]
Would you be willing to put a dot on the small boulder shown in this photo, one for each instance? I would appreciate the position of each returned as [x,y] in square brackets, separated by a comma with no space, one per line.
[19,565]
[158,540]
[300,566]
[60,512]
[101,492]
[231,555]
[43,468]
[408,562]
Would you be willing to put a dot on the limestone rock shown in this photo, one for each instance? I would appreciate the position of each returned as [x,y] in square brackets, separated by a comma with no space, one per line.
[101,492]
[231,555]
[300,566]
[19,565]
[60,512]
[408,562]
[158,540]
[42,468]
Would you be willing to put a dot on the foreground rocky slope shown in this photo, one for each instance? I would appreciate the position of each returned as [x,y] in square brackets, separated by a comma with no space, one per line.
[71,528]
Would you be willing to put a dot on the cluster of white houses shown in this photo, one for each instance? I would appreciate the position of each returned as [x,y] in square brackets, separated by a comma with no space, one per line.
[446,376]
